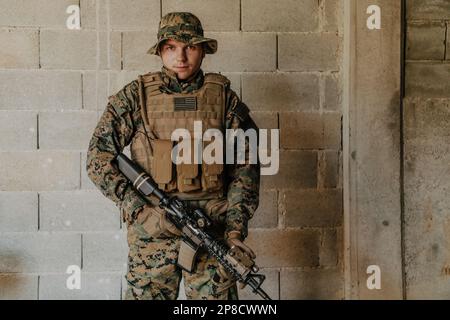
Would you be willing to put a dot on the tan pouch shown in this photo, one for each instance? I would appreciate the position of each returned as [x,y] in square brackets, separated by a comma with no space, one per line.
[212,177]
[187,256]
[187,174]
[149,220]
[162,164]
[140,150]
[187,177]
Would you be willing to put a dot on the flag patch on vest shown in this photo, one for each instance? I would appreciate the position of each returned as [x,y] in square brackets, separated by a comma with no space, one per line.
[185,103]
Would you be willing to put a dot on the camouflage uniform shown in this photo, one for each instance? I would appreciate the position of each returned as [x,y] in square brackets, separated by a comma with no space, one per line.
[152,270]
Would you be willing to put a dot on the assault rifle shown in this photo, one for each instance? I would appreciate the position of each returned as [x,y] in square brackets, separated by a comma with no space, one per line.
[194,226]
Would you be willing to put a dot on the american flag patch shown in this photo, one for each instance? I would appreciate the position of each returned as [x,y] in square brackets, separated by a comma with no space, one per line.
[185,103]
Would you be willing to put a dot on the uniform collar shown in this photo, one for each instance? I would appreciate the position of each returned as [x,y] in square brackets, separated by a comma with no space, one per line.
[173,85]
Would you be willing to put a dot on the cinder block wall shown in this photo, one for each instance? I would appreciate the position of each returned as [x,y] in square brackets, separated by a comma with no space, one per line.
[284,59]
[427,152]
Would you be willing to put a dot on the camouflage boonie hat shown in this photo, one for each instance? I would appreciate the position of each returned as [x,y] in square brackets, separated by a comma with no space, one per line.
[184,27]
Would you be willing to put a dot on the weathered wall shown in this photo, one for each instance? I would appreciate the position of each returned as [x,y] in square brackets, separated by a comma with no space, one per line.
[283,57]
[427,151]
[372,150]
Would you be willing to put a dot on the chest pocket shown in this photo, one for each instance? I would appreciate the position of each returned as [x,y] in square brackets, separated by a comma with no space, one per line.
[190,175]
[194,113]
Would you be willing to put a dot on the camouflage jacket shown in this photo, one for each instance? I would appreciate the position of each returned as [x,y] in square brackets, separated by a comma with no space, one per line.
[116,128]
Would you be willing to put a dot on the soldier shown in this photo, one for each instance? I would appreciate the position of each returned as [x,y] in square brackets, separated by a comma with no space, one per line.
[143,115]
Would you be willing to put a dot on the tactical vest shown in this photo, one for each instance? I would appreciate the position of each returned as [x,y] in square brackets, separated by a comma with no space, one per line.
[162,113]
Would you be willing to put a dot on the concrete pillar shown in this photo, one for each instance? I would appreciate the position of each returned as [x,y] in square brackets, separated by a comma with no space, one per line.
[371,146]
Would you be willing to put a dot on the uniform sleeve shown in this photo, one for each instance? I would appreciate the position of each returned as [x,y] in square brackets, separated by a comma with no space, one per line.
[113,133]
[243,186]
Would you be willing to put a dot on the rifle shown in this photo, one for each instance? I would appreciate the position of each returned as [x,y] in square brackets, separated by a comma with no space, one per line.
[194,226]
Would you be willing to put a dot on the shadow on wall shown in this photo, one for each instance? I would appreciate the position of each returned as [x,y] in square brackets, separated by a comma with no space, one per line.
[14,286]
[10,262]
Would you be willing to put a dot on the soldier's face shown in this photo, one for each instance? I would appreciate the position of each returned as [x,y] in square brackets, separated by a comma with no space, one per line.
[181,58]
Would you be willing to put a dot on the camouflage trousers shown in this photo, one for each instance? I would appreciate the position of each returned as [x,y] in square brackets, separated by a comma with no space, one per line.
[153,273]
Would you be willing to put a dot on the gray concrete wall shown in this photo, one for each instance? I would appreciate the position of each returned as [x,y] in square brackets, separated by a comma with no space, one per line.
[285,60]
[427,133]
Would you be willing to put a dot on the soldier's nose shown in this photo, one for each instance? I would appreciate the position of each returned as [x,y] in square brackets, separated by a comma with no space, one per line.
[181,56]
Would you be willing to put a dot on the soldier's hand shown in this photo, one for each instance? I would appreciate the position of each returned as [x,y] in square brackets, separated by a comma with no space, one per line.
[234,240]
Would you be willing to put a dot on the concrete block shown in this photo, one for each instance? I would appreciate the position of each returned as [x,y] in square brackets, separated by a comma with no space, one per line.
[281,91]
[320,284]
[271,286]
[215,15]
[40,90]
[266,216]
[182,291]
[333,93]
[436,9]
[235,79]
[105,252]
[124,77]
[301,130]
[39,171]
[94,286]
[312,208]
[37,13]
[333,11]
[127,151]
[77,211]
[18,211]
[332,131]
[18,286]
[242,52]
[18,130]
[331,247]
[426,41]
[265,119]
[310,130]
[20,48]
[309,52]
[70,130]
[121,15]
[329,169]
[285,248]
[341,171]
[427,226]
[135,47]
[427,80]
[125,287]
[39,252]
[96,89]
[77,49]
[298,169]
[448,43]
[284,15]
